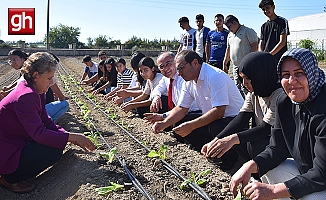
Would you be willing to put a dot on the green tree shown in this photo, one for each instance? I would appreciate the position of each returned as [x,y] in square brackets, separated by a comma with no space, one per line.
[61,35]
[90,42]
[101,41]
[307,44]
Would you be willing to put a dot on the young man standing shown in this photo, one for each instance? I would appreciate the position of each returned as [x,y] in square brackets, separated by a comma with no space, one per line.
[274,32]
[216,43]
[187,36]
[201,34]
[241,41]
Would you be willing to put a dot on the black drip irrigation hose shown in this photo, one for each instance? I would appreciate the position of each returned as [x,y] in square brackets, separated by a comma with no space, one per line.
[166,165]
[17,72]
[133,179]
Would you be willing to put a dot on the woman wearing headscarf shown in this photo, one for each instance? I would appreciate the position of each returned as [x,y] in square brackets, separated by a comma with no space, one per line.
[259,74]
[294,162]
[30,141]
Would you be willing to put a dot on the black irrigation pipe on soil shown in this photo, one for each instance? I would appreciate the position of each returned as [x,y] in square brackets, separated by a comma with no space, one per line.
[14,74]
[133,179]
[166,165]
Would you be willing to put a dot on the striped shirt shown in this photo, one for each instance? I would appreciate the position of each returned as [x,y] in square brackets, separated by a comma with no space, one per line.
[124,78]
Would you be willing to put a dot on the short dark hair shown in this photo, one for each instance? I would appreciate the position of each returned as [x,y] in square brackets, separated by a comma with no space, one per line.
[87,58]
[135,58]
[266,2]
[120,60]
[183,19]
[230,19]
[19,53]
[219,15]
[200,16]
[101,53]
[189,56]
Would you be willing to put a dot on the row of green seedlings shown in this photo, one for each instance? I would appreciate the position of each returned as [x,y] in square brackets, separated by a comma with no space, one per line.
[92,135]
[199,179]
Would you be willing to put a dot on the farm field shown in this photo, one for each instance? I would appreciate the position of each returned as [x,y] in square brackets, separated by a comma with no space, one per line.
[78,174]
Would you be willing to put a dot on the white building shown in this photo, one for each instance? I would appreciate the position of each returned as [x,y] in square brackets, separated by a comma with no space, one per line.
[312,27]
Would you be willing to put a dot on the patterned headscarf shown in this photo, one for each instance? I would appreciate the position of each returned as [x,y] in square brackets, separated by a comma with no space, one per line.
[260,68]
[308,61]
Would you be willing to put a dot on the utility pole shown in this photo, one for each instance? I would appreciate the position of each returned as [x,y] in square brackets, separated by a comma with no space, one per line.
[48,27]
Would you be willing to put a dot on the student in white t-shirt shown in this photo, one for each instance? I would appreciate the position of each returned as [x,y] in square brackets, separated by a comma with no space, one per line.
[148,70]
[187,37]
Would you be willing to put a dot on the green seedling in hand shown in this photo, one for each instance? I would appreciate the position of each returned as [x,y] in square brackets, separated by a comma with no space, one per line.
[160,154]
[199,180]
[114,187]
[93,137]
[109,156]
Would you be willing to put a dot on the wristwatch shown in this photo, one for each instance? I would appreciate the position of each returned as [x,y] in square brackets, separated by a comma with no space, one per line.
[164,116]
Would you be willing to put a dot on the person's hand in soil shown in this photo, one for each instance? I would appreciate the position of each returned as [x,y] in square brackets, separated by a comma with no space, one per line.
[156,104]
[218,147]
[82,141]
[117,100]
[183,129]
[126,107]
[242,176]
[95,92]
[159,126]
[122,93]
[153,117]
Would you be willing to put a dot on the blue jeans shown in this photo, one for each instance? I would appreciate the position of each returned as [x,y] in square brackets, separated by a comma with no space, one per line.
[56,109]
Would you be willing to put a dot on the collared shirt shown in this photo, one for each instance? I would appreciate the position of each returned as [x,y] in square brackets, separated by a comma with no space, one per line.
[240,43]
[213,88]
[177,85]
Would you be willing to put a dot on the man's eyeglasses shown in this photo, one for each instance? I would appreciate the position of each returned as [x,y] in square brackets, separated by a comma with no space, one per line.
[162,66]
[180,67]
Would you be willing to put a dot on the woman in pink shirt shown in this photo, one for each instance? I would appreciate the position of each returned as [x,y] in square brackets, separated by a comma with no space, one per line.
[30,141]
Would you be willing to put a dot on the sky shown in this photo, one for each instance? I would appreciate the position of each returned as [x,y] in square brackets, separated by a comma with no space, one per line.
[150,19]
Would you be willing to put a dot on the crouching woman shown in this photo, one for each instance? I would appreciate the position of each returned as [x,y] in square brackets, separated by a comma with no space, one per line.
[30,141]
[294,163]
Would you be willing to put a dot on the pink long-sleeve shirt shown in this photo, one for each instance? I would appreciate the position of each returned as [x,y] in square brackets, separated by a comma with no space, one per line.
[23,119]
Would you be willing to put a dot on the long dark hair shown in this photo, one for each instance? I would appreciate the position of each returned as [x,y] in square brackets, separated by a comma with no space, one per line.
[148,62]
[134,61]
[112,75]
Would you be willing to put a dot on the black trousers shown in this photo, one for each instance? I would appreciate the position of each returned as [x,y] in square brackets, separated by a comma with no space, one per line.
[34,159]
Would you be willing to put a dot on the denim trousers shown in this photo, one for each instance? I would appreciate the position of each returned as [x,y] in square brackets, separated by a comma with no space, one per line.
[56,109]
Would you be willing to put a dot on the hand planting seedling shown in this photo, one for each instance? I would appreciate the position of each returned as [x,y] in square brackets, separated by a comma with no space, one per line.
[160,154]
[199,180]
[109,156]
[114,187]
[93,137]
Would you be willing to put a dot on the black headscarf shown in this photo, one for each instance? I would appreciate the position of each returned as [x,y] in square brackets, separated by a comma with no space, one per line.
[261,69]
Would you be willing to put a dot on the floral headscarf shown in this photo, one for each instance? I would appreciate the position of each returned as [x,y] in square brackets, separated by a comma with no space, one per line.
[308,61]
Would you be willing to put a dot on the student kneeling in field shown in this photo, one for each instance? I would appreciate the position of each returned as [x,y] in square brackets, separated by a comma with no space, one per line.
[134,89]
[90,69]
[148,71]
[259,75]
[111,78]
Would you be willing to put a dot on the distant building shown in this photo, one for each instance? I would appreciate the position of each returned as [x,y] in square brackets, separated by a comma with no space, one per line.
[312,27]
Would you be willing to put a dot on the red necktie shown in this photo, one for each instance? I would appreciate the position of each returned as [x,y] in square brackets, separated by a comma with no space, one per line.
[170,102]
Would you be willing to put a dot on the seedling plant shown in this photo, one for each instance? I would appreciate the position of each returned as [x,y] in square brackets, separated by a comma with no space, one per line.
[160,154]
[110,156]
[114,187]
[199,179]
[93,136]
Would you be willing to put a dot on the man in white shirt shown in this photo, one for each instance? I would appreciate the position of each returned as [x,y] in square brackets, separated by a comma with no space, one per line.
[215,93]
[200,36]
[166,64]
[187,37]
